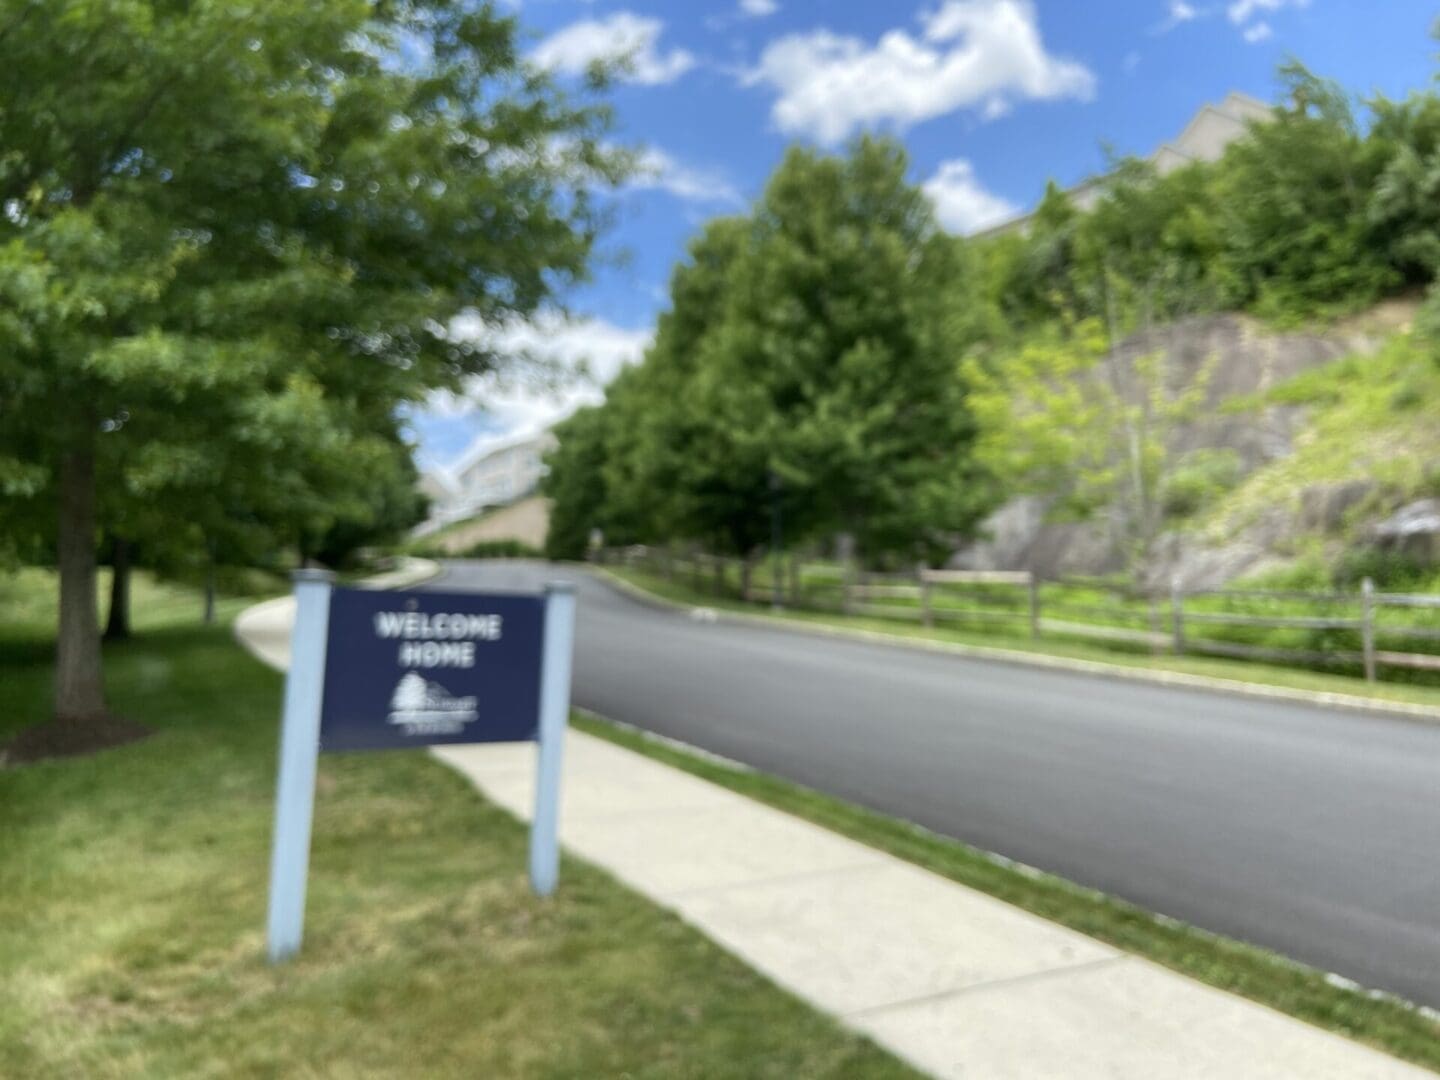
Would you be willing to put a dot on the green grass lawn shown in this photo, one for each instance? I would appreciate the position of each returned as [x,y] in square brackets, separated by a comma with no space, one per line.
[132,903]
[1213,667]
[1377,1020]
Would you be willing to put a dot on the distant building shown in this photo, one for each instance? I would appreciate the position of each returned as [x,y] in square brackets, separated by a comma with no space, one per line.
[496,475]
[1205,138]
[439,489]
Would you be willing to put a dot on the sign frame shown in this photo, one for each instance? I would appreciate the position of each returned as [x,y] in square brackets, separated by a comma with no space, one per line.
[300,750]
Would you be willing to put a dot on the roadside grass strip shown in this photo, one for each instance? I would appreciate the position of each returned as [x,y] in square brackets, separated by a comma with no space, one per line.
[132,907]
[1378,1020]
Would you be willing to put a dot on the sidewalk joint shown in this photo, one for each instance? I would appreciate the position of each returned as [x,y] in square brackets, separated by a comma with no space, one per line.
[992,984]
[870,863]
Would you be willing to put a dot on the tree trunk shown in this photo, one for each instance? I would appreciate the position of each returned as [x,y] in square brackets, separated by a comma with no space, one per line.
[209,581]
[79,686]
[117,622]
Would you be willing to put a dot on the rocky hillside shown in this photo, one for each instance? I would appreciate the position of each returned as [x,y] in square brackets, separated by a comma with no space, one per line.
[1312,443]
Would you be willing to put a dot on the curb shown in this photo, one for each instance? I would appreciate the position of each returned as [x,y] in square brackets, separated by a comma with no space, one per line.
[412,572]
[1426,714]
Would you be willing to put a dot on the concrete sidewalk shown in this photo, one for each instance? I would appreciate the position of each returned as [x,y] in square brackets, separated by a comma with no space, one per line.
[950,979]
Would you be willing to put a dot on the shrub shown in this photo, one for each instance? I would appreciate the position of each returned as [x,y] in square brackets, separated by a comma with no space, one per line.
[501,549]
[1390,570]
[1200,478]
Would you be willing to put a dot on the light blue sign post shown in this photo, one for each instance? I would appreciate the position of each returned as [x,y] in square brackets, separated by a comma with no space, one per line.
[554,714]
[299,749]
[494,657]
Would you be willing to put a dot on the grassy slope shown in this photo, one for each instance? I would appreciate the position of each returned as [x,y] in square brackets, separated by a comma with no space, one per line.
[1213,667]
[1377,1020]
[132,898]
[522,522]
[1372,418]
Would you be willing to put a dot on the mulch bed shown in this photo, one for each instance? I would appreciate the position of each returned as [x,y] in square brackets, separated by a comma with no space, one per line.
[70,738]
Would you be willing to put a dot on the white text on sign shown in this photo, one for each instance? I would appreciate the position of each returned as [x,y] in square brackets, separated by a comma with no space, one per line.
[431,640]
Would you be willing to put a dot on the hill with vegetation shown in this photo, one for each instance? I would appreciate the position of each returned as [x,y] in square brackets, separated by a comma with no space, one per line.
[1301,444]
[1164,380]
[516,529]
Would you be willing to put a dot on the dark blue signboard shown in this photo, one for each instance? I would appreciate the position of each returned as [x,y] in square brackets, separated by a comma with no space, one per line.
[428,668]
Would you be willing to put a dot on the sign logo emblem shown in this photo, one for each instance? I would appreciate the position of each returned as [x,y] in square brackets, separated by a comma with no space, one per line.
[421,707]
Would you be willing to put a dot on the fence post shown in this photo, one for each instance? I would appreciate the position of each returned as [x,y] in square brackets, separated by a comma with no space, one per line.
[795,580]
[1177,615]
[1155,626]
[1034,587]
[846,604]
[927,615]
[1367,626]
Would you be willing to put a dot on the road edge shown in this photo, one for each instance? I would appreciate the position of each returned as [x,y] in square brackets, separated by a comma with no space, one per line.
[1354,703]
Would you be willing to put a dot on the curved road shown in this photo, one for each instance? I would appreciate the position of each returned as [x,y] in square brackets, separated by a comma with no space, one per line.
[1312,832]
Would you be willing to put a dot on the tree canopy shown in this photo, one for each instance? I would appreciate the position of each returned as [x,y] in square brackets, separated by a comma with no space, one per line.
[808,356]
[232,241]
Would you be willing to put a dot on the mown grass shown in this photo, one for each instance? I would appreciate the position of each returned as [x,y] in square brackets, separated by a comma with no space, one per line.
[132,902]
[1381,1021]
[1260,674]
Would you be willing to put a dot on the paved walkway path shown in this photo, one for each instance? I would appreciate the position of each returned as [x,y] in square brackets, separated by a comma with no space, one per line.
[950,979]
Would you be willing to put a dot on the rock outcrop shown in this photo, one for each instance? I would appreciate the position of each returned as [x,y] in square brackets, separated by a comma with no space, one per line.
[1245,360]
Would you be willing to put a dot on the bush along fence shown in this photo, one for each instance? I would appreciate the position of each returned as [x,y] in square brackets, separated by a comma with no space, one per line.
[1369,633]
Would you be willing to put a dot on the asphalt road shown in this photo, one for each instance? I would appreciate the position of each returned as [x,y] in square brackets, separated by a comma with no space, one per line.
[1313,832]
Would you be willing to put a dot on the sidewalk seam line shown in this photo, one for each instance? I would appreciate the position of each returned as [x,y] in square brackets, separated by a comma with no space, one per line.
[775,879]
[993,984]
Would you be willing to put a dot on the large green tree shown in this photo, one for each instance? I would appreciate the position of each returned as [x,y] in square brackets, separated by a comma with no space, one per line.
[835,364]
[809,357]
[1293,200]
[262,216]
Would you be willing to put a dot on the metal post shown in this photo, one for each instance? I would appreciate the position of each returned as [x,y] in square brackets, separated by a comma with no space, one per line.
[777,542]
[927,614]
[1177,615]
[554,715]
[1034,587]
[1367,626]
[299,748]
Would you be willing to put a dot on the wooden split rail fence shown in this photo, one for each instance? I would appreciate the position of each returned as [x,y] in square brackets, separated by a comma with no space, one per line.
[1357,631]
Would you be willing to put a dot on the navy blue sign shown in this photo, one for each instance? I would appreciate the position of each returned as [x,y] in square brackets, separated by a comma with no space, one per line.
[426,668]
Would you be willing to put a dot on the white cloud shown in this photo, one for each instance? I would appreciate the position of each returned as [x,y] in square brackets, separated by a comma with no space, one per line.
[1177,13]
[658,171]
[1257,33]
[961,203]
[970,53]
[1241,10]
[758,9]
[621,36]
[563,364]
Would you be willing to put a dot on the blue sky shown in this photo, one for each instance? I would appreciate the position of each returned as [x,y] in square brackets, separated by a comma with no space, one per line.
[991,97]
